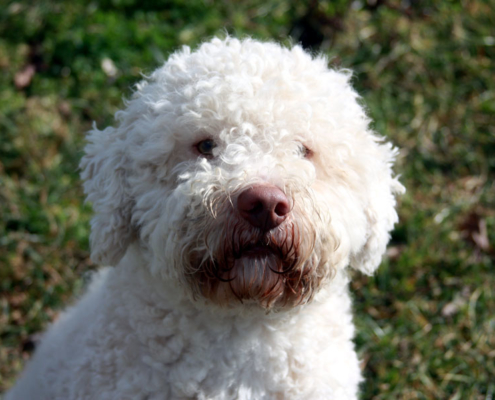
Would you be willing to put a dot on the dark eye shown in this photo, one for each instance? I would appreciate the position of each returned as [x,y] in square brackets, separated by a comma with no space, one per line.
[206,147]
[305,152]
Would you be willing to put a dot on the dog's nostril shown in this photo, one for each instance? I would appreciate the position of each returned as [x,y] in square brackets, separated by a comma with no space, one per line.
[282,208]
[264,207]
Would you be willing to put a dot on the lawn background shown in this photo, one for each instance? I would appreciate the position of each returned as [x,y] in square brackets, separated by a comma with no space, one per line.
[426,71]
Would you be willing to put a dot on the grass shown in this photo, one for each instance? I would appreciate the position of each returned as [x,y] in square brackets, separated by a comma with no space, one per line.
[426,321]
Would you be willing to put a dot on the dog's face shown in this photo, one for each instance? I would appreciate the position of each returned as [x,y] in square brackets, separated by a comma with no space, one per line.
[246,172]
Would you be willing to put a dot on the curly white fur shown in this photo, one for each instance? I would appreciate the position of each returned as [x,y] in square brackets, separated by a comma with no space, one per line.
[185,314]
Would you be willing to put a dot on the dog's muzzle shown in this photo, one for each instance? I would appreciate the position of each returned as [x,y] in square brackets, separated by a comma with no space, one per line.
[260,257]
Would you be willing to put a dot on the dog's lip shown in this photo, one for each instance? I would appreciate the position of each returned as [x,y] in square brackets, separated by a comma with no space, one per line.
[256,250]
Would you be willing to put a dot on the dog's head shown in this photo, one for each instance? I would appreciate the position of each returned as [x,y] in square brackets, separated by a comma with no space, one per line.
[246,172]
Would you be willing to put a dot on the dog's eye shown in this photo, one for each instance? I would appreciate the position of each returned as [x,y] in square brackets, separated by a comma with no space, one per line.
[304,151]
[206,147]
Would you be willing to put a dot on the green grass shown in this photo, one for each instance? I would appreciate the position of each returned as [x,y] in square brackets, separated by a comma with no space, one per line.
[426,320]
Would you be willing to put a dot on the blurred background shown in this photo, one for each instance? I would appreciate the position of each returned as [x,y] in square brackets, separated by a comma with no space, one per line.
[426,72]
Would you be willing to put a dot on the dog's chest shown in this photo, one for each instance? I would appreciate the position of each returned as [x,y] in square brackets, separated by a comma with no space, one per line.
[200,358]
[197,356]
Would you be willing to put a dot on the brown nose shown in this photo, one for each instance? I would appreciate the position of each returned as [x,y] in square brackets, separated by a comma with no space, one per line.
[264,207]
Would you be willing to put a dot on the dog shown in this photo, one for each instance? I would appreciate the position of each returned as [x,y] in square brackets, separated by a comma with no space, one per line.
[236,189]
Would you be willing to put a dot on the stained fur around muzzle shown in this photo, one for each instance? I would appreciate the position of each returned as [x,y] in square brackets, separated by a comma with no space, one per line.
[232,261]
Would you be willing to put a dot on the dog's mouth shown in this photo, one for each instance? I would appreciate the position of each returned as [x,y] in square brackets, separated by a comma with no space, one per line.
[257,250]
[266,268]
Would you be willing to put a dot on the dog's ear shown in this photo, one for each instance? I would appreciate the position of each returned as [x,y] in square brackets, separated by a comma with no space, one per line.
[381,188]
[104,169]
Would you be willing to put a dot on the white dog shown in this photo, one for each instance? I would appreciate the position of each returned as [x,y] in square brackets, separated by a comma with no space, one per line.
[239,183]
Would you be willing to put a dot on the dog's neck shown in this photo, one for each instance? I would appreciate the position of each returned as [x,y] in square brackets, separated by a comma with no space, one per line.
[167,324]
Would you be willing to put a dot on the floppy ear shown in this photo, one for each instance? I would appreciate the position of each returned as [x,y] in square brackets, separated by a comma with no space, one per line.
[381,188]
[104,170]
